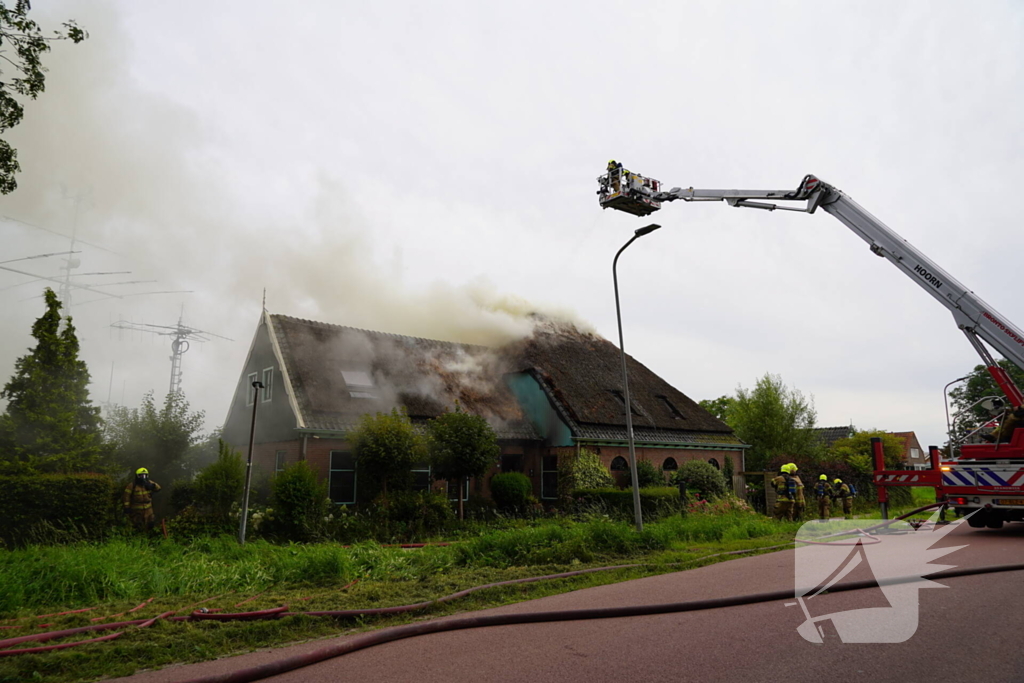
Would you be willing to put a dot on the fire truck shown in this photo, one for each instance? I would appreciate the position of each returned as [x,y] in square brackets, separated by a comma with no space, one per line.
[983,482]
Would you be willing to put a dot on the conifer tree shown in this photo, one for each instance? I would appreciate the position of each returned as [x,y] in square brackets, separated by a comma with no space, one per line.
[50,424]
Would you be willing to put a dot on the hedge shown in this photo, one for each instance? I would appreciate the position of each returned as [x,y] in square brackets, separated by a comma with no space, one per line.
[55,507]
[654,501]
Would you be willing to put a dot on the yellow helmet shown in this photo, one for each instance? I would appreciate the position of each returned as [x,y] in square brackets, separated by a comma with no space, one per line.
[823,477]
[141,470]
[792,467]
[838,481]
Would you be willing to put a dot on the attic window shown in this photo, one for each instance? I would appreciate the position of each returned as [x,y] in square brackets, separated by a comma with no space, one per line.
[361,394]
[671,407]
[622,401]
[357,378]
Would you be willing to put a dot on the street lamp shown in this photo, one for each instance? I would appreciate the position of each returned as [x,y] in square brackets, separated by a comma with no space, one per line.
[639,232]
[256,386]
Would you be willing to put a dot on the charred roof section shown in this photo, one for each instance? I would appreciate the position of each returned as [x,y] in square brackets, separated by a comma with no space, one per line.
[340,373]
[583,372]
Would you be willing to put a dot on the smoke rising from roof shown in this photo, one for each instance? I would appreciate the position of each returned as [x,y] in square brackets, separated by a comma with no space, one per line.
[159,187]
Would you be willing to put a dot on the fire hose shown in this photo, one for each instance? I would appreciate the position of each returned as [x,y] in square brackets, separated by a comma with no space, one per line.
[401,632]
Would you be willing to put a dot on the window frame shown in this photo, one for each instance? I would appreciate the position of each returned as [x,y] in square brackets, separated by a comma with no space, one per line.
[543,463]
[419,467]
[280,461]
[613,468]
[355,476]
[268,384]
[675,464]
[455,498]
[250,395]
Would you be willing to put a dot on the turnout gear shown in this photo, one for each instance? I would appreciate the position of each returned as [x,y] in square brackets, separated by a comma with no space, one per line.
[785,494]
[799,503]
[137,500]
[823,492]
[841,492]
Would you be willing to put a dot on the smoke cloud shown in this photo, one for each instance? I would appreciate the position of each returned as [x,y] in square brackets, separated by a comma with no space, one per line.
[149,186]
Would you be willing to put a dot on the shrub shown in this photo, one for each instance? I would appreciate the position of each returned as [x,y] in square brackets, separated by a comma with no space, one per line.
[64,506]
[585,471]
[647,474]
[220,484]
[411,514]
[654,501]
[512,491]
[300,502]
[701,477]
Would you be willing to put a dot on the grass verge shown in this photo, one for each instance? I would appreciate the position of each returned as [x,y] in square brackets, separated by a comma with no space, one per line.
[119,575]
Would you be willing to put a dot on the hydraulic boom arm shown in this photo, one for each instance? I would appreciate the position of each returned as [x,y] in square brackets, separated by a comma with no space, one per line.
[972,315]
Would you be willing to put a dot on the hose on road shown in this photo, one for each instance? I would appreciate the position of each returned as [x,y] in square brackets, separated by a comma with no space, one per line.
[278,612]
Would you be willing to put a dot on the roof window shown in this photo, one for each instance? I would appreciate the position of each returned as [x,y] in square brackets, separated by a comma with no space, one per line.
[357,378]
[671,407]
[622,401]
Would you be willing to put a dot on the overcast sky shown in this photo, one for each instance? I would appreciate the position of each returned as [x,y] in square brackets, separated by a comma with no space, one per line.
[429,169]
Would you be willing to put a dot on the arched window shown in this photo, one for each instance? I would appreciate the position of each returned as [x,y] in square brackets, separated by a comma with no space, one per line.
[619,464]
[669,464]
[714,463]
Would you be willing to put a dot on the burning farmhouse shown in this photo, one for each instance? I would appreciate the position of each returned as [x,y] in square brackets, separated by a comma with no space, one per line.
[546,397]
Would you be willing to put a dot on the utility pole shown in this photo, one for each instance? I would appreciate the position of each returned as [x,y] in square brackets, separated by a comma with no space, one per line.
[256,386]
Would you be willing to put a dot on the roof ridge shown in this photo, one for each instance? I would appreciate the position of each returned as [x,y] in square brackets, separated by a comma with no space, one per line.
[392,335]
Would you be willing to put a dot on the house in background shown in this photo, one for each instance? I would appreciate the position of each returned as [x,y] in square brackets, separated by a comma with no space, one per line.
[546,397]
[827,436]
[914,457]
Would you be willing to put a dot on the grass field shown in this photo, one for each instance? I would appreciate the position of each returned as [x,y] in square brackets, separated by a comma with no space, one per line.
[119,575]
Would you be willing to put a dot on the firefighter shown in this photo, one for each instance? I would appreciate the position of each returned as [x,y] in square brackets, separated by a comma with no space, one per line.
[785,494]
[615,175]
[138,500]
[1013,420]
[841,491]
[799,504]
[823,491]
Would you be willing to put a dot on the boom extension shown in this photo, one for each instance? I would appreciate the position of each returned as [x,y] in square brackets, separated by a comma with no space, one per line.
[977,319]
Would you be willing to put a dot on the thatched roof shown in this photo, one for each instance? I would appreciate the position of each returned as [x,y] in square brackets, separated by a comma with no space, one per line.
[583,372]
[340,373]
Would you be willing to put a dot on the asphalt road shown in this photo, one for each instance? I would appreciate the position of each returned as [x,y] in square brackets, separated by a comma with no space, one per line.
[971,630]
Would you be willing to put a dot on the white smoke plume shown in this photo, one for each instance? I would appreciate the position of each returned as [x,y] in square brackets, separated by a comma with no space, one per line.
[151,181]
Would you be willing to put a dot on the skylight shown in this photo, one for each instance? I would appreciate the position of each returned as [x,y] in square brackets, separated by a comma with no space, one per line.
[357,378]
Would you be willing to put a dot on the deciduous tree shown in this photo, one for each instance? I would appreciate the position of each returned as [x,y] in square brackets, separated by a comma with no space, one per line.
[462,446]
[775,420]
[22,74]
[386,447]
[157,438]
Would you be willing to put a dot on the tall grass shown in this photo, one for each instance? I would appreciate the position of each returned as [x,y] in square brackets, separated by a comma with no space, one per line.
[87,574]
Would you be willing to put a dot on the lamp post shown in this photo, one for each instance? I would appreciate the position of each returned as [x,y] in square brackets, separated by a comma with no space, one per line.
[256,386]
[639,232]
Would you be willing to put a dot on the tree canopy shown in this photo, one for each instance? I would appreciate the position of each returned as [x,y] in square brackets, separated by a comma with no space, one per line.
[462,446]
[978,385]
[157,438]
[386,447]
[22,74]
[774,419]
[857,453]
[719,407]
[50,424]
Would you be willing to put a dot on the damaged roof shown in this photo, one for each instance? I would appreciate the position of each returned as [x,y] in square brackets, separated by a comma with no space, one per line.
[583,373]
[340,373]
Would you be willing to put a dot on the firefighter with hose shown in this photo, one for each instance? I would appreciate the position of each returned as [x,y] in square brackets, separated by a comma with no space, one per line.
[137,500]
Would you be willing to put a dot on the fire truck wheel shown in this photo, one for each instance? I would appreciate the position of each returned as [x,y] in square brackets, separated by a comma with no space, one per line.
[994,522]
[978,520]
